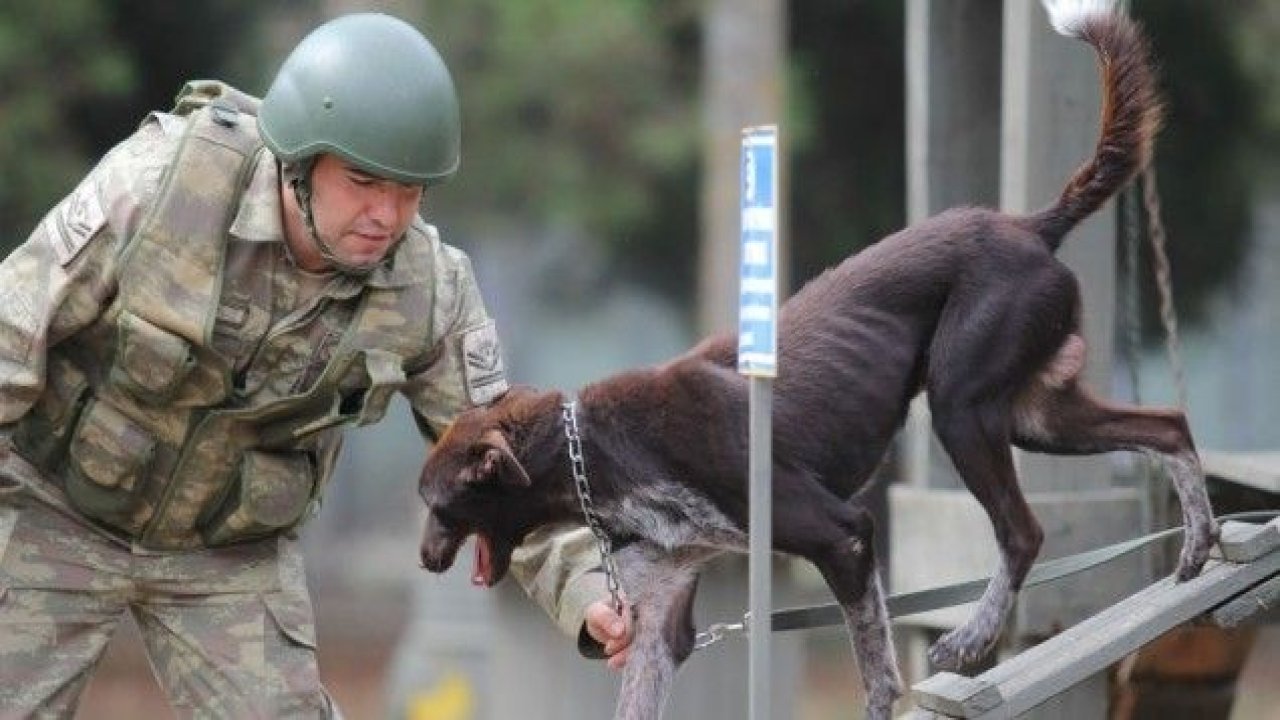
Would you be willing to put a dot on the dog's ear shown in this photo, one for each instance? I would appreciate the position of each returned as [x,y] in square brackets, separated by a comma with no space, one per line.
[498,462]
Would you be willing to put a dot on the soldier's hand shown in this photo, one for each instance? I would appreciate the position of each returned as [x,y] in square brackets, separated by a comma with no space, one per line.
[611,630]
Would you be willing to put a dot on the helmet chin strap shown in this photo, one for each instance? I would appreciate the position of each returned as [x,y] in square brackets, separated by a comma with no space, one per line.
[300,181]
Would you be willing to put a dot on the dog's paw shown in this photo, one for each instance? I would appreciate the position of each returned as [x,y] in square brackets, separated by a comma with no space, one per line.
[958,649]
[1201,537]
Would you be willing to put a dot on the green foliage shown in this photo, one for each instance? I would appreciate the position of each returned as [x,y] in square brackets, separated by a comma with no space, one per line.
[53,58]
[1257,31]
[572,110]
[80,74]
[1207,155]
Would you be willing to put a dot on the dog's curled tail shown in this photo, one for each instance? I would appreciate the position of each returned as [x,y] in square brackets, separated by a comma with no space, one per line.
[1131,112]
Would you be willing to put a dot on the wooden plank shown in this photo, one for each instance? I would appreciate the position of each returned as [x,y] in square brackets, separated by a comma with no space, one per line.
[1260,470]
[1047,669]
[956,695]
[1041,672]
[1245,542]
[1259,605]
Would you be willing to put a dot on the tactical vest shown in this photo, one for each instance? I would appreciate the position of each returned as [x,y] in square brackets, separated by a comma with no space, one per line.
[152,443]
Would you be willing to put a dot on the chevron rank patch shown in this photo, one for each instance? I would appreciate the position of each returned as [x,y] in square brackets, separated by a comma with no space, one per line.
[74,222]
[485,376]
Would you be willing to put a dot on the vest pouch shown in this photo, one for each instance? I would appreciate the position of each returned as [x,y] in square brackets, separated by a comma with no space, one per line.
[382,375]
[109,458]
[42,435]
[271,493]
[385,371]
[150,362]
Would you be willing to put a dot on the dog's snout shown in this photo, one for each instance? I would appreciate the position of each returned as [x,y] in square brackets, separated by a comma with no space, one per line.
[438,546]
[431,562]
[433,558]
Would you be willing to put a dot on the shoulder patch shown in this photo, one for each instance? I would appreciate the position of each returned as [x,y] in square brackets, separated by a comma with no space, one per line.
[74,222]
[484,374]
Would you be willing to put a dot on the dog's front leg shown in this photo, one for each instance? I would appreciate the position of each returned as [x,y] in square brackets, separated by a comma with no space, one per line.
[651,667]
[849,569]
[662,592]
[837,538]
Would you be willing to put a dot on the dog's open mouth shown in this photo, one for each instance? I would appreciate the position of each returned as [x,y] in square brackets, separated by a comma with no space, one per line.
[482,573]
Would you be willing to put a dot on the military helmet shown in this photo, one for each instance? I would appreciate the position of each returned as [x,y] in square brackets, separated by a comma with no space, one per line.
[372,90]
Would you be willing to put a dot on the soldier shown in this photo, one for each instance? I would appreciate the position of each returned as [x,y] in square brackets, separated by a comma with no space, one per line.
[183,340]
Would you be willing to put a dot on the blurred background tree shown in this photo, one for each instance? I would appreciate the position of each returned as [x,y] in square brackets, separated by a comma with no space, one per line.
[78,76]
[53,59]
[582,115]
[1210,152]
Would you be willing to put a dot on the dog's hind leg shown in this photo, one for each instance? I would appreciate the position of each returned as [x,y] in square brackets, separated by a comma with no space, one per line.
[993,336]
[1067,419]
[837,538]
[868,621]
[661,588]
[977,439]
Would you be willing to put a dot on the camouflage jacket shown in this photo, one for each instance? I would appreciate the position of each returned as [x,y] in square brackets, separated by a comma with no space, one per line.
[173,438]
[184,385]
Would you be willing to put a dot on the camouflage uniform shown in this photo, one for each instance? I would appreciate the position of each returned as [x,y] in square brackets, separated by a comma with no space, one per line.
[172,396]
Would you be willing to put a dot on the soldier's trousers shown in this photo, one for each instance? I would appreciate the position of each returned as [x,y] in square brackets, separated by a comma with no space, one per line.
[229,632]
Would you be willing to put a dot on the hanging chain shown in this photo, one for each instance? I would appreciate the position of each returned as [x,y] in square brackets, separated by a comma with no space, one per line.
[1131,216]
[1164,282]
[579,467]
[1147,469]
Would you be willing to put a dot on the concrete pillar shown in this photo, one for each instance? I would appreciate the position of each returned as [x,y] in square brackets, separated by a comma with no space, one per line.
[953,102]
[953,151]
[743,63]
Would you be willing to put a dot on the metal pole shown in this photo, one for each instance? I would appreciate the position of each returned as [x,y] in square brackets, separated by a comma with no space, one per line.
[758,360]
[760,572]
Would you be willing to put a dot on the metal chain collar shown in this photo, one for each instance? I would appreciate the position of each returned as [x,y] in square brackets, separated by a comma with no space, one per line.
[713,634]
[579,467]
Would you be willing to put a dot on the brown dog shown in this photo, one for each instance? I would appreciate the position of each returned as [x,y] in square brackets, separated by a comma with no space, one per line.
[971,306]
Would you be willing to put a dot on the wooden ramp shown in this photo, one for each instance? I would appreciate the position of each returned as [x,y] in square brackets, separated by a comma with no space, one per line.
[1241,584]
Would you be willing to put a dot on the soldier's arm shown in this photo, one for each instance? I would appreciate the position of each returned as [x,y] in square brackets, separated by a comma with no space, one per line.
[464,369]
[58,281]
[557,568]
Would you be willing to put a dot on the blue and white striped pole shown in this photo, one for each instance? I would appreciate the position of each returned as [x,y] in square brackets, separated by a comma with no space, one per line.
[757,359]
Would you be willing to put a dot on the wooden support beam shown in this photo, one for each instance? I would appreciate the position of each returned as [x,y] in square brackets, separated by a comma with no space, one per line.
[957,696]
[1042,672]
[1246,542]
[1257,606]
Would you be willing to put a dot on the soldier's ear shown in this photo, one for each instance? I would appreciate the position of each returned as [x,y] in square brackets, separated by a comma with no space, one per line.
[498,462]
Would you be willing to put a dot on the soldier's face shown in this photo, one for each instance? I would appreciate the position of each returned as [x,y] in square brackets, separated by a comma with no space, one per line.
[360,216]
